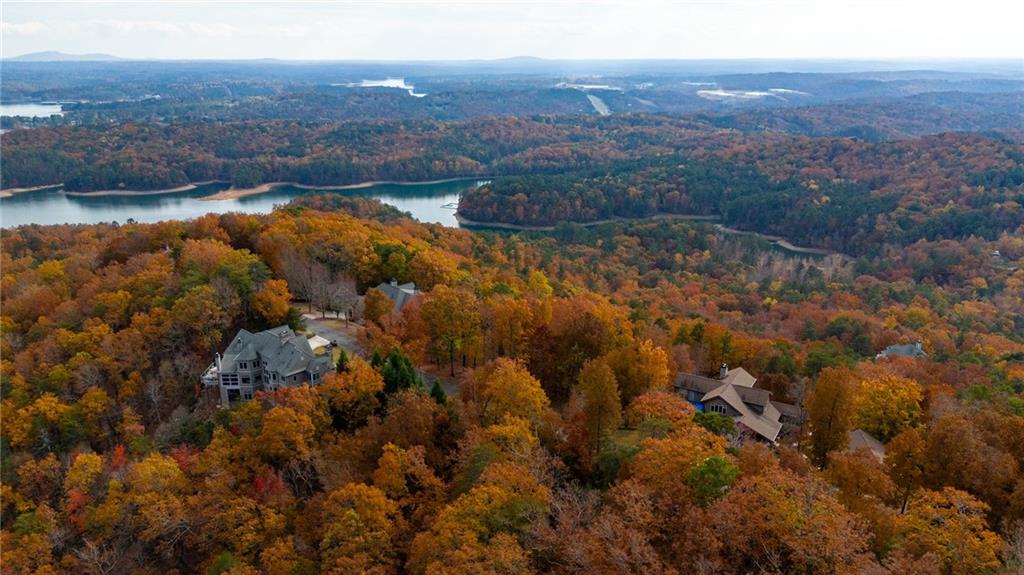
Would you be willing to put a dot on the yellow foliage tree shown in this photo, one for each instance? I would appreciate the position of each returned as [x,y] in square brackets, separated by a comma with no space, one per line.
[951,524]
[508,389]
[886,405]
[358,522]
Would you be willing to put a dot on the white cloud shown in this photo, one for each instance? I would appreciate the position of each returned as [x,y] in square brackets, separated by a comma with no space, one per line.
[444,29]
[23,28]
[212,29]
[136,26]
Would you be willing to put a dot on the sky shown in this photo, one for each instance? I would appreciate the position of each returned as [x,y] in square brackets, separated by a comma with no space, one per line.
[453,30]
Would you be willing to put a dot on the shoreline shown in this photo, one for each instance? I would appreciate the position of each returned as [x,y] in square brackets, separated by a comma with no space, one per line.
[774,240]
[464,221]
[8,192]
[184,188]
[233,193]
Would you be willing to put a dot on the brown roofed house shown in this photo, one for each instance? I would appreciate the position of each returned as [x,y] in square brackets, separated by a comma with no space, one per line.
[733,394]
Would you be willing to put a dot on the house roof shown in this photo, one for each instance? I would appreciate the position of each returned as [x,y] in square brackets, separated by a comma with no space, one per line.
[860,439]
[316,342]
[788,410]
[739,376]
[401,294]
[903,350]
[280,349]
[765,424]
[733,390]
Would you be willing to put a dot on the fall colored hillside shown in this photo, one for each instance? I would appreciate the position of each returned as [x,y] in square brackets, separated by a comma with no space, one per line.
[564,448]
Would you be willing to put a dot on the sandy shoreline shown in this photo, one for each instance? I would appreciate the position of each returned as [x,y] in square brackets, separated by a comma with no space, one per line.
[232,193]
[185,188]
[6,193]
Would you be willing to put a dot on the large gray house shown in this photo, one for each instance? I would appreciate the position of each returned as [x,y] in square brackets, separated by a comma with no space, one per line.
[915,350]
[266,360]
[401,294]
[733,394]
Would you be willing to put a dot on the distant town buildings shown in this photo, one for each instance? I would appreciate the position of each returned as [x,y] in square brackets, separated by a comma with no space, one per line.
[266,360]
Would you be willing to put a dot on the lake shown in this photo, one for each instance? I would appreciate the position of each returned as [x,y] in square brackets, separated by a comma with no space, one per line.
[426,202]
[31,110]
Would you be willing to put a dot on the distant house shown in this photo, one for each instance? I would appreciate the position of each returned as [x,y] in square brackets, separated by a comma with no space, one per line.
[733,394]
[266,360]
[860,439]
[401,294]
[914,350]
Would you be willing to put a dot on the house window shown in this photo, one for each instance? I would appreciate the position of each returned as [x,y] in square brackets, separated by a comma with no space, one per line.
[717,408]
[246,380]
[315,377]
[243,365]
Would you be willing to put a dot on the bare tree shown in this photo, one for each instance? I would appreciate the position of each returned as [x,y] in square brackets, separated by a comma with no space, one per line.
[344,295]
[102,559]
[298,270]
[321,287]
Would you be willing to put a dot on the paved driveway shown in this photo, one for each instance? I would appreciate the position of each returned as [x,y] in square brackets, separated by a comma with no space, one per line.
[334,330]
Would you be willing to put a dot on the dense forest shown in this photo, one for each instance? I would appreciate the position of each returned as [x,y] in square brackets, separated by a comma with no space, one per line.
[564,449]
[843,194]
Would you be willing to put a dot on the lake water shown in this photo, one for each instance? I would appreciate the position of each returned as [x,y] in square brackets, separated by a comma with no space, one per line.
[31,110]
[426,202]
[386,83]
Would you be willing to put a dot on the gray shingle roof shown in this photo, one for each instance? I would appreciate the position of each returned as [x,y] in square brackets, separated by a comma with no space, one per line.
[734,391]
[279,348]
[400,294]
[903,350]
[860,439]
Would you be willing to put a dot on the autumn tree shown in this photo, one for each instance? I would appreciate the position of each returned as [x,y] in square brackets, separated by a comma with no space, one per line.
[660,409]
[602,409]
[506,388]
[376,305]
[829,410]
[777,522]
[451,318]
[272,302]
[951,525]
[352,394]
[904,461]
[639,369]
[478,532]
[358,524]
[886,405]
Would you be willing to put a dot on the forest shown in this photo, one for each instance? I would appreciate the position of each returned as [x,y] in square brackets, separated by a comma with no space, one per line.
[844,194]
[565,448]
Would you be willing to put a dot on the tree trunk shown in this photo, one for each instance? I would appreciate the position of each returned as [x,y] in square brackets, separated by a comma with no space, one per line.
[451,358]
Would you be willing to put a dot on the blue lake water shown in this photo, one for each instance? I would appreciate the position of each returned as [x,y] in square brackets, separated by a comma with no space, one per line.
[426,202]
[31,110]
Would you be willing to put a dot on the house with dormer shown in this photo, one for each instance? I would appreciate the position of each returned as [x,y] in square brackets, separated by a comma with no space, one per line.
[733,395]
[266,360]
[400,294]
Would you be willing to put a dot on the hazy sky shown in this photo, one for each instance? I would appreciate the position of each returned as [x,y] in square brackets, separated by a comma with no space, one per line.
[499,29]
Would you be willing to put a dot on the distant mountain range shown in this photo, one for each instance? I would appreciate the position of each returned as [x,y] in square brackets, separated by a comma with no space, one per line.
[54,56]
